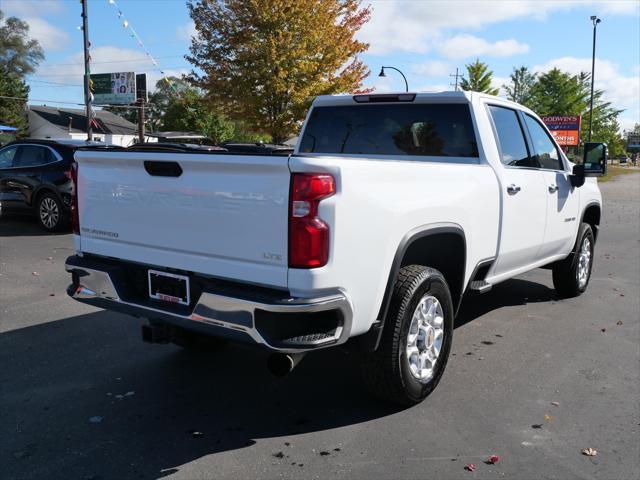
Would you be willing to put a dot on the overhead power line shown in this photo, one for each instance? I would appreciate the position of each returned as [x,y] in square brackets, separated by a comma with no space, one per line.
[138,59]
[22,99]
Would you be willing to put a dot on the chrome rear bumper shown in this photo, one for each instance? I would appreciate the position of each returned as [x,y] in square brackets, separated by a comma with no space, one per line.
[237,317]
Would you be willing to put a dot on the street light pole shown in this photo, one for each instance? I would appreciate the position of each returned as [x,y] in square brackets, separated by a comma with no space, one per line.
[87,71]
[595,21]
[406,84]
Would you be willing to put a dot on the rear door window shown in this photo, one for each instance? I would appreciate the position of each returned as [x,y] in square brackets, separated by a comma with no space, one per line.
[6,156]
[418,130]
[513,147]
[31,156]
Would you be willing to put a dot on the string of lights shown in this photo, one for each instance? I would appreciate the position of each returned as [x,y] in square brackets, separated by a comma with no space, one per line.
[136,37]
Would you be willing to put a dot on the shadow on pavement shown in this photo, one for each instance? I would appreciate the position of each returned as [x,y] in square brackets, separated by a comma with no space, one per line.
[61,415]
[507,294]
[16,225]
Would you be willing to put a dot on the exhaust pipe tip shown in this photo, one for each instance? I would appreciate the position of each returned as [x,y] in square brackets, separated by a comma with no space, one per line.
[281,364]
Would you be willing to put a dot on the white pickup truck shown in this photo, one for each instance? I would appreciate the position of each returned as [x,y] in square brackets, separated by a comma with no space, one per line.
[391,208]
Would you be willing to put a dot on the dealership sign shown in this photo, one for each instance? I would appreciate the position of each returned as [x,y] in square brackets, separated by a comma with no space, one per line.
[564,128]
[113,88]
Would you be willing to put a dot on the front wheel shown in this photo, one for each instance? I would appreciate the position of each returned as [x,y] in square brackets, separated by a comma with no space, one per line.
[571,276]
[416,338]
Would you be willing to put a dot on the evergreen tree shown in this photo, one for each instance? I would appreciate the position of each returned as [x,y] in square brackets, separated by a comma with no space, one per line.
[520,85]
[478,78]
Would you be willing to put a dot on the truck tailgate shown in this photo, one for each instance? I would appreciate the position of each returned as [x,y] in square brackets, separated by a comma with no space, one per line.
[223,215]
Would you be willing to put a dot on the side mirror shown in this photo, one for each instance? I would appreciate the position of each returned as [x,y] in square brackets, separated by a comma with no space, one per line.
[577,177]
[595,159]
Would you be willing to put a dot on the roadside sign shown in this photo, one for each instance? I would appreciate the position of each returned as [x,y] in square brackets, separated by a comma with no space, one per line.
[113,88]
[564,128]
[633,142]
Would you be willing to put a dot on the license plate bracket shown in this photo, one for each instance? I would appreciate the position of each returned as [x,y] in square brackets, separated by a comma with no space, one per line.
[169,287]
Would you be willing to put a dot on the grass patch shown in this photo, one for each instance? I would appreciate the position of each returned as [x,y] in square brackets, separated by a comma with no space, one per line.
[614,171]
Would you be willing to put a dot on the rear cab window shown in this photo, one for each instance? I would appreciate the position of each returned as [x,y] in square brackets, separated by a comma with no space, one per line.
[416,131]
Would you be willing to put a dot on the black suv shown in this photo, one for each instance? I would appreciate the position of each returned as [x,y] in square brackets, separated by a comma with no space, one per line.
[35,177]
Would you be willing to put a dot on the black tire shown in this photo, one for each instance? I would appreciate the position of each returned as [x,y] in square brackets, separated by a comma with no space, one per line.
[51,213]
[196,342]
[386,372]
[566,273]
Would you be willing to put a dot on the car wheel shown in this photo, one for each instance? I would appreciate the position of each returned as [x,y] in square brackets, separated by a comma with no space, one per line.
[51,213]
[571,276]
[416,338]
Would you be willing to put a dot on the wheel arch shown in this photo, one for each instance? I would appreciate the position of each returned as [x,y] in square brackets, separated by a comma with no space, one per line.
[441,246]
[591,215]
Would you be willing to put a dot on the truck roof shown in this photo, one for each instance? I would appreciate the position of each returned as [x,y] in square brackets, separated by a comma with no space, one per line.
[393,97]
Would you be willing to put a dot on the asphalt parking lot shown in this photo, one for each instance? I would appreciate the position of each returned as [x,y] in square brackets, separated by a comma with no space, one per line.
[533,379]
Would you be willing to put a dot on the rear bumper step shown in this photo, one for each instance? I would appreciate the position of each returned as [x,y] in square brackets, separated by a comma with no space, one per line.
[259,316]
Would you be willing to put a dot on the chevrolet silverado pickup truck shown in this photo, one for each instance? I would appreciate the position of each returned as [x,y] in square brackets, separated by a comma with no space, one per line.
[390,209]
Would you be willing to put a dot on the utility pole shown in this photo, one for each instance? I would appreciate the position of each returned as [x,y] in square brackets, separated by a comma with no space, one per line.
[87,71]
[595,21]
[456,75]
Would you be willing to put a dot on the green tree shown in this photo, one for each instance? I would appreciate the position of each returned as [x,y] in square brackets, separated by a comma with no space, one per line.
[12,111]
[559,93]
[263,61]
[19,56]
[478,78]
[521,82]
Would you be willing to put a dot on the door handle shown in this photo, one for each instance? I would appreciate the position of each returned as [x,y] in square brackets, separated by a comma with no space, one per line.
[513,189]
[553,188]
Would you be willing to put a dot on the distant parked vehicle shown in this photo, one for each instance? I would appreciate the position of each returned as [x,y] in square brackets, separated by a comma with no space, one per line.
[35,178]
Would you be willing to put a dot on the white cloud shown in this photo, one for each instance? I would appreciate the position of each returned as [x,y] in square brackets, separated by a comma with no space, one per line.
[435,88]
[418,25]
[434,68]
[50,38]
[29,8]
[621,91]
[186,31]
[465,46]
[105,60]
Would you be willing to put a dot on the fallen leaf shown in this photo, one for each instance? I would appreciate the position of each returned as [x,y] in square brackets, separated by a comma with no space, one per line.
[128,394]
[493,459]
[555,404]
[589,452]
[35,274]
[547,418]
[324,453]
[49,258]
[619,322]
[536,425]
[470,467]
[622,294]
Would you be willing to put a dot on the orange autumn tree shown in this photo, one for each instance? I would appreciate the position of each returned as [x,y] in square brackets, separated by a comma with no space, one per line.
[263,61]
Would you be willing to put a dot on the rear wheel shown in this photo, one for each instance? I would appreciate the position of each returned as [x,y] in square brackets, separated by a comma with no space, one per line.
[571,276]
[50,211]
[416,339]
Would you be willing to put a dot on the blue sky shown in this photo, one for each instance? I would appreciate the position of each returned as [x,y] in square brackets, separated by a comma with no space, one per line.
[426,39]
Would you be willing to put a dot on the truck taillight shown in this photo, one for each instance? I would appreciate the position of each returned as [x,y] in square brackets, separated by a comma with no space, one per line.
[308,234]
[75,220]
